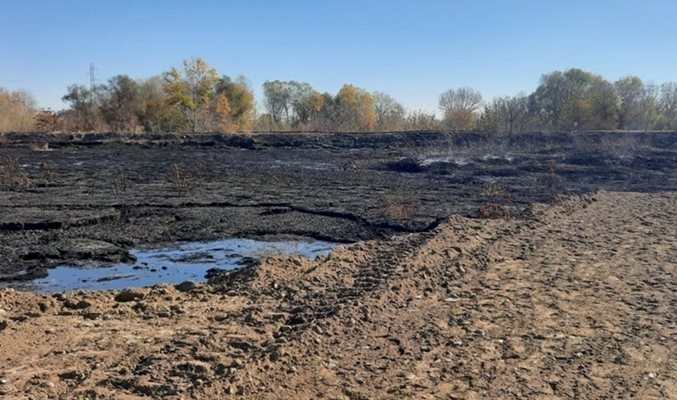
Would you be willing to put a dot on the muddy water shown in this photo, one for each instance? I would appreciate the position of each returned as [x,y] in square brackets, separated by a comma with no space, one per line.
[188,261]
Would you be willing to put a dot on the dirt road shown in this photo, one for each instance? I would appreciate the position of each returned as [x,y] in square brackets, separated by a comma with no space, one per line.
[576,302]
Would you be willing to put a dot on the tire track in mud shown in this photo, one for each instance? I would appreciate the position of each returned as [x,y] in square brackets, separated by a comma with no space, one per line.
[501,292]
[398,257]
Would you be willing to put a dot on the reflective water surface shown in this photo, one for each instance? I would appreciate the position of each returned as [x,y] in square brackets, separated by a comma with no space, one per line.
[189,261]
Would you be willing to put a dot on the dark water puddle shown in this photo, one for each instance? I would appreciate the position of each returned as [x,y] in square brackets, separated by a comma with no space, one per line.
[188,261]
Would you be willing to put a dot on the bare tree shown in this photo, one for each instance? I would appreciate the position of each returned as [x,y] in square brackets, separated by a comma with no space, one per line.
[278,99]
[459,107]
[668,105]
[650,114]
[630,91]
[506,115]
[421,120]
[390,114]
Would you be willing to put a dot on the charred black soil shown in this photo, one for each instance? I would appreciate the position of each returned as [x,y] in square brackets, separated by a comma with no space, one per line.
[92,197]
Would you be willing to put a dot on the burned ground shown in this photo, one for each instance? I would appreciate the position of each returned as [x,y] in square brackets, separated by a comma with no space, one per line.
[90,197]
[545,296]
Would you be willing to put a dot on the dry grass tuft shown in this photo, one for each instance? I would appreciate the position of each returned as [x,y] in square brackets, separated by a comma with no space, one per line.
[354,164]
[493,210]
[48,175]
[498,199]
[182,181]
[551,180]
[398,208]
[40,147]
[12,174]
[120,182]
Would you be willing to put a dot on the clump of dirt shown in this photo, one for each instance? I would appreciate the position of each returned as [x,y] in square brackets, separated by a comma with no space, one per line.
[576,301]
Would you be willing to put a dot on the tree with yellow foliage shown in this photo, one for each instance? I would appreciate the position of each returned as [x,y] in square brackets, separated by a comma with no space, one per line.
[307,109]
[207,102]
[356,109]
[192,90]
[17,111]
[234,105]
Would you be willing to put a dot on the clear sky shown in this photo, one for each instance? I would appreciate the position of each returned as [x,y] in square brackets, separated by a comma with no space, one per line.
[413,50]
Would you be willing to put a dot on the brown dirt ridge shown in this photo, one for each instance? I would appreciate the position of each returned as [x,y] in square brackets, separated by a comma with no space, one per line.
[575,301]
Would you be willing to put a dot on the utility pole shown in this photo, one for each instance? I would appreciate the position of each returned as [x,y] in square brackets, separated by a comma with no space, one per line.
[92,78]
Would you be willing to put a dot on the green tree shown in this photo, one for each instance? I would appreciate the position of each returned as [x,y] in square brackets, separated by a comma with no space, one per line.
[85,111]
[601,110]
[157,115]
[574,100]
[278,101]
[288,103]
[307,109]
[301,101]
[329,118]
[651,108]
[121,104]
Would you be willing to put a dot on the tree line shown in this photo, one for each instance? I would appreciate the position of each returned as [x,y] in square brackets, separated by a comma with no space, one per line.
[195,98]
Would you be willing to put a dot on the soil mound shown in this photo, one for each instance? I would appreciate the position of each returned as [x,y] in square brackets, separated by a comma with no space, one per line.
[576,301]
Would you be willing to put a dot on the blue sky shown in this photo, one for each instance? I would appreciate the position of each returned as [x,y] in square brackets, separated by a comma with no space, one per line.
[413,50]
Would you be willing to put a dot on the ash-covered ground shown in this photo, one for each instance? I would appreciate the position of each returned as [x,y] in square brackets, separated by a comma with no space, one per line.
[90,198]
